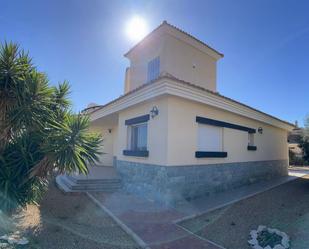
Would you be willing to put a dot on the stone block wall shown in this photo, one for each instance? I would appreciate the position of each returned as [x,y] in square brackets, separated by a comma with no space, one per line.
[172,184]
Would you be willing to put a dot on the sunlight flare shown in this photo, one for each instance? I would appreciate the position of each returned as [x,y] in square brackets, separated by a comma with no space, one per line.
[136,28]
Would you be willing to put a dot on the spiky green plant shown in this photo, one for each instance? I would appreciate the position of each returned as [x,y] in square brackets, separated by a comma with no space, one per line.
[38,132]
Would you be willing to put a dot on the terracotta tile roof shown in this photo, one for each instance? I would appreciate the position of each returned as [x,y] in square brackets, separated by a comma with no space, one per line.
[171,77]
[178,29]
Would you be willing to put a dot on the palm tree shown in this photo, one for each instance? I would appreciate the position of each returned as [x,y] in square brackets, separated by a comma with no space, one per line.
[38,131]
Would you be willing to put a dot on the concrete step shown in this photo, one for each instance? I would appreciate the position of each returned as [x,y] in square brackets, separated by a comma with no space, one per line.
[93,181]
[62,186]
[91,186]
[66,184]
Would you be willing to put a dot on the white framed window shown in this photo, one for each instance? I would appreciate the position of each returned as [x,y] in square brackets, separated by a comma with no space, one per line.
[153,69]
[210,138]
[250,139]
[137,137]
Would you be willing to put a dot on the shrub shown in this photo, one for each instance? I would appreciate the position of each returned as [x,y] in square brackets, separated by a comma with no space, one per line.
[38,132]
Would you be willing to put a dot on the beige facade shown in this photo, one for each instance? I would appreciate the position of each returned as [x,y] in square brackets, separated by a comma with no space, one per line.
[157,132]
[173,135]
[179,55]
[183,132]
[107,127]
[190,64]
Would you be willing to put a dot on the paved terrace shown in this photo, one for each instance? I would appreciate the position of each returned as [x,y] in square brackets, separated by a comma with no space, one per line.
[155,226]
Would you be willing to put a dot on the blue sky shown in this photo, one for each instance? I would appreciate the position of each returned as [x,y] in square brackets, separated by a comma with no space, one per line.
[265,43]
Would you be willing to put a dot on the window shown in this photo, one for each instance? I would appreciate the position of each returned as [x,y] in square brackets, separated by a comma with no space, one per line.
[251,145]
[250,139]
[210,138]
[137,136]
[137,140]
[153,69]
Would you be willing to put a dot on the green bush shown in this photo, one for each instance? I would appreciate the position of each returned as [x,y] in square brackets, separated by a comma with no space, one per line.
[304,145]
[38,132]
[304,142]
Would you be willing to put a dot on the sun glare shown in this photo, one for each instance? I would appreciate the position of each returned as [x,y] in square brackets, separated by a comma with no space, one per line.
[136,28]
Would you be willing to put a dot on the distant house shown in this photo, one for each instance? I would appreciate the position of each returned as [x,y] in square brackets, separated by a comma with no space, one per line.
[172,136]
[294,139]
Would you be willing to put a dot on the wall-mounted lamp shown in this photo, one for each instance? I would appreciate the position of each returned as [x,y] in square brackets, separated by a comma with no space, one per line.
[109,130]
[260,130]
[154,112]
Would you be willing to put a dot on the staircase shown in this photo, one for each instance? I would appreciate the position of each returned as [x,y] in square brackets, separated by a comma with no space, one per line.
[108,182]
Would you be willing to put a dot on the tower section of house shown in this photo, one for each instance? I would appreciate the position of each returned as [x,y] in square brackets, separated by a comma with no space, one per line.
[168,50]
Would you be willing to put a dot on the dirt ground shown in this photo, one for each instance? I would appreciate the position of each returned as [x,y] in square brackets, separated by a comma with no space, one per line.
[285,208]
[69,222]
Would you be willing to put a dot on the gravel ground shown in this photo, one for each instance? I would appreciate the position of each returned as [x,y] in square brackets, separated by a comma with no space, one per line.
[70,221]
[285,208]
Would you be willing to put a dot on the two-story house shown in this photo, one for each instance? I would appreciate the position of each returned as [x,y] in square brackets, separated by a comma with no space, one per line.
[172,136]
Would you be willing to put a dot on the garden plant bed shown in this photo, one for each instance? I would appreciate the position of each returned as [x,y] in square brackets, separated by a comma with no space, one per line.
[268,238]
[285,207]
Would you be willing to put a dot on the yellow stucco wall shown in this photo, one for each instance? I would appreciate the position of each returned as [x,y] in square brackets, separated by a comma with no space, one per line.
[107,147]
[182,136]
[151,49]
[157,132]
[177,58]
[189,64]
[172,135]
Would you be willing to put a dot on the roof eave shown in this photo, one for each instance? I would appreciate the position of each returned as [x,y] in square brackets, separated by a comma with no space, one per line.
[165,23]
[149,87]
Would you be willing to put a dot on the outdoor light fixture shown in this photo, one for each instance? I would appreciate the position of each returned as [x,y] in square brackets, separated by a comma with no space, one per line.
[260,130]
[154,112]
[109,130]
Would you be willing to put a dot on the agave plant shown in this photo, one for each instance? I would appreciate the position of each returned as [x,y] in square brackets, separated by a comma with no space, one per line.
[38,132]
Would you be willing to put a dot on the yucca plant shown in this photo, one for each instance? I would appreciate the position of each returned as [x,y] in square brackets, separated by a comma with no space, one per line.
[38,132]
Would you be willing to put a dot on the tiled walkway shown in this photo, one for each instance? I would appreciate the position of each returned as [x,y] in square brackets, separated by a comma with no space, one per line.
[152,222]
[156,225]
